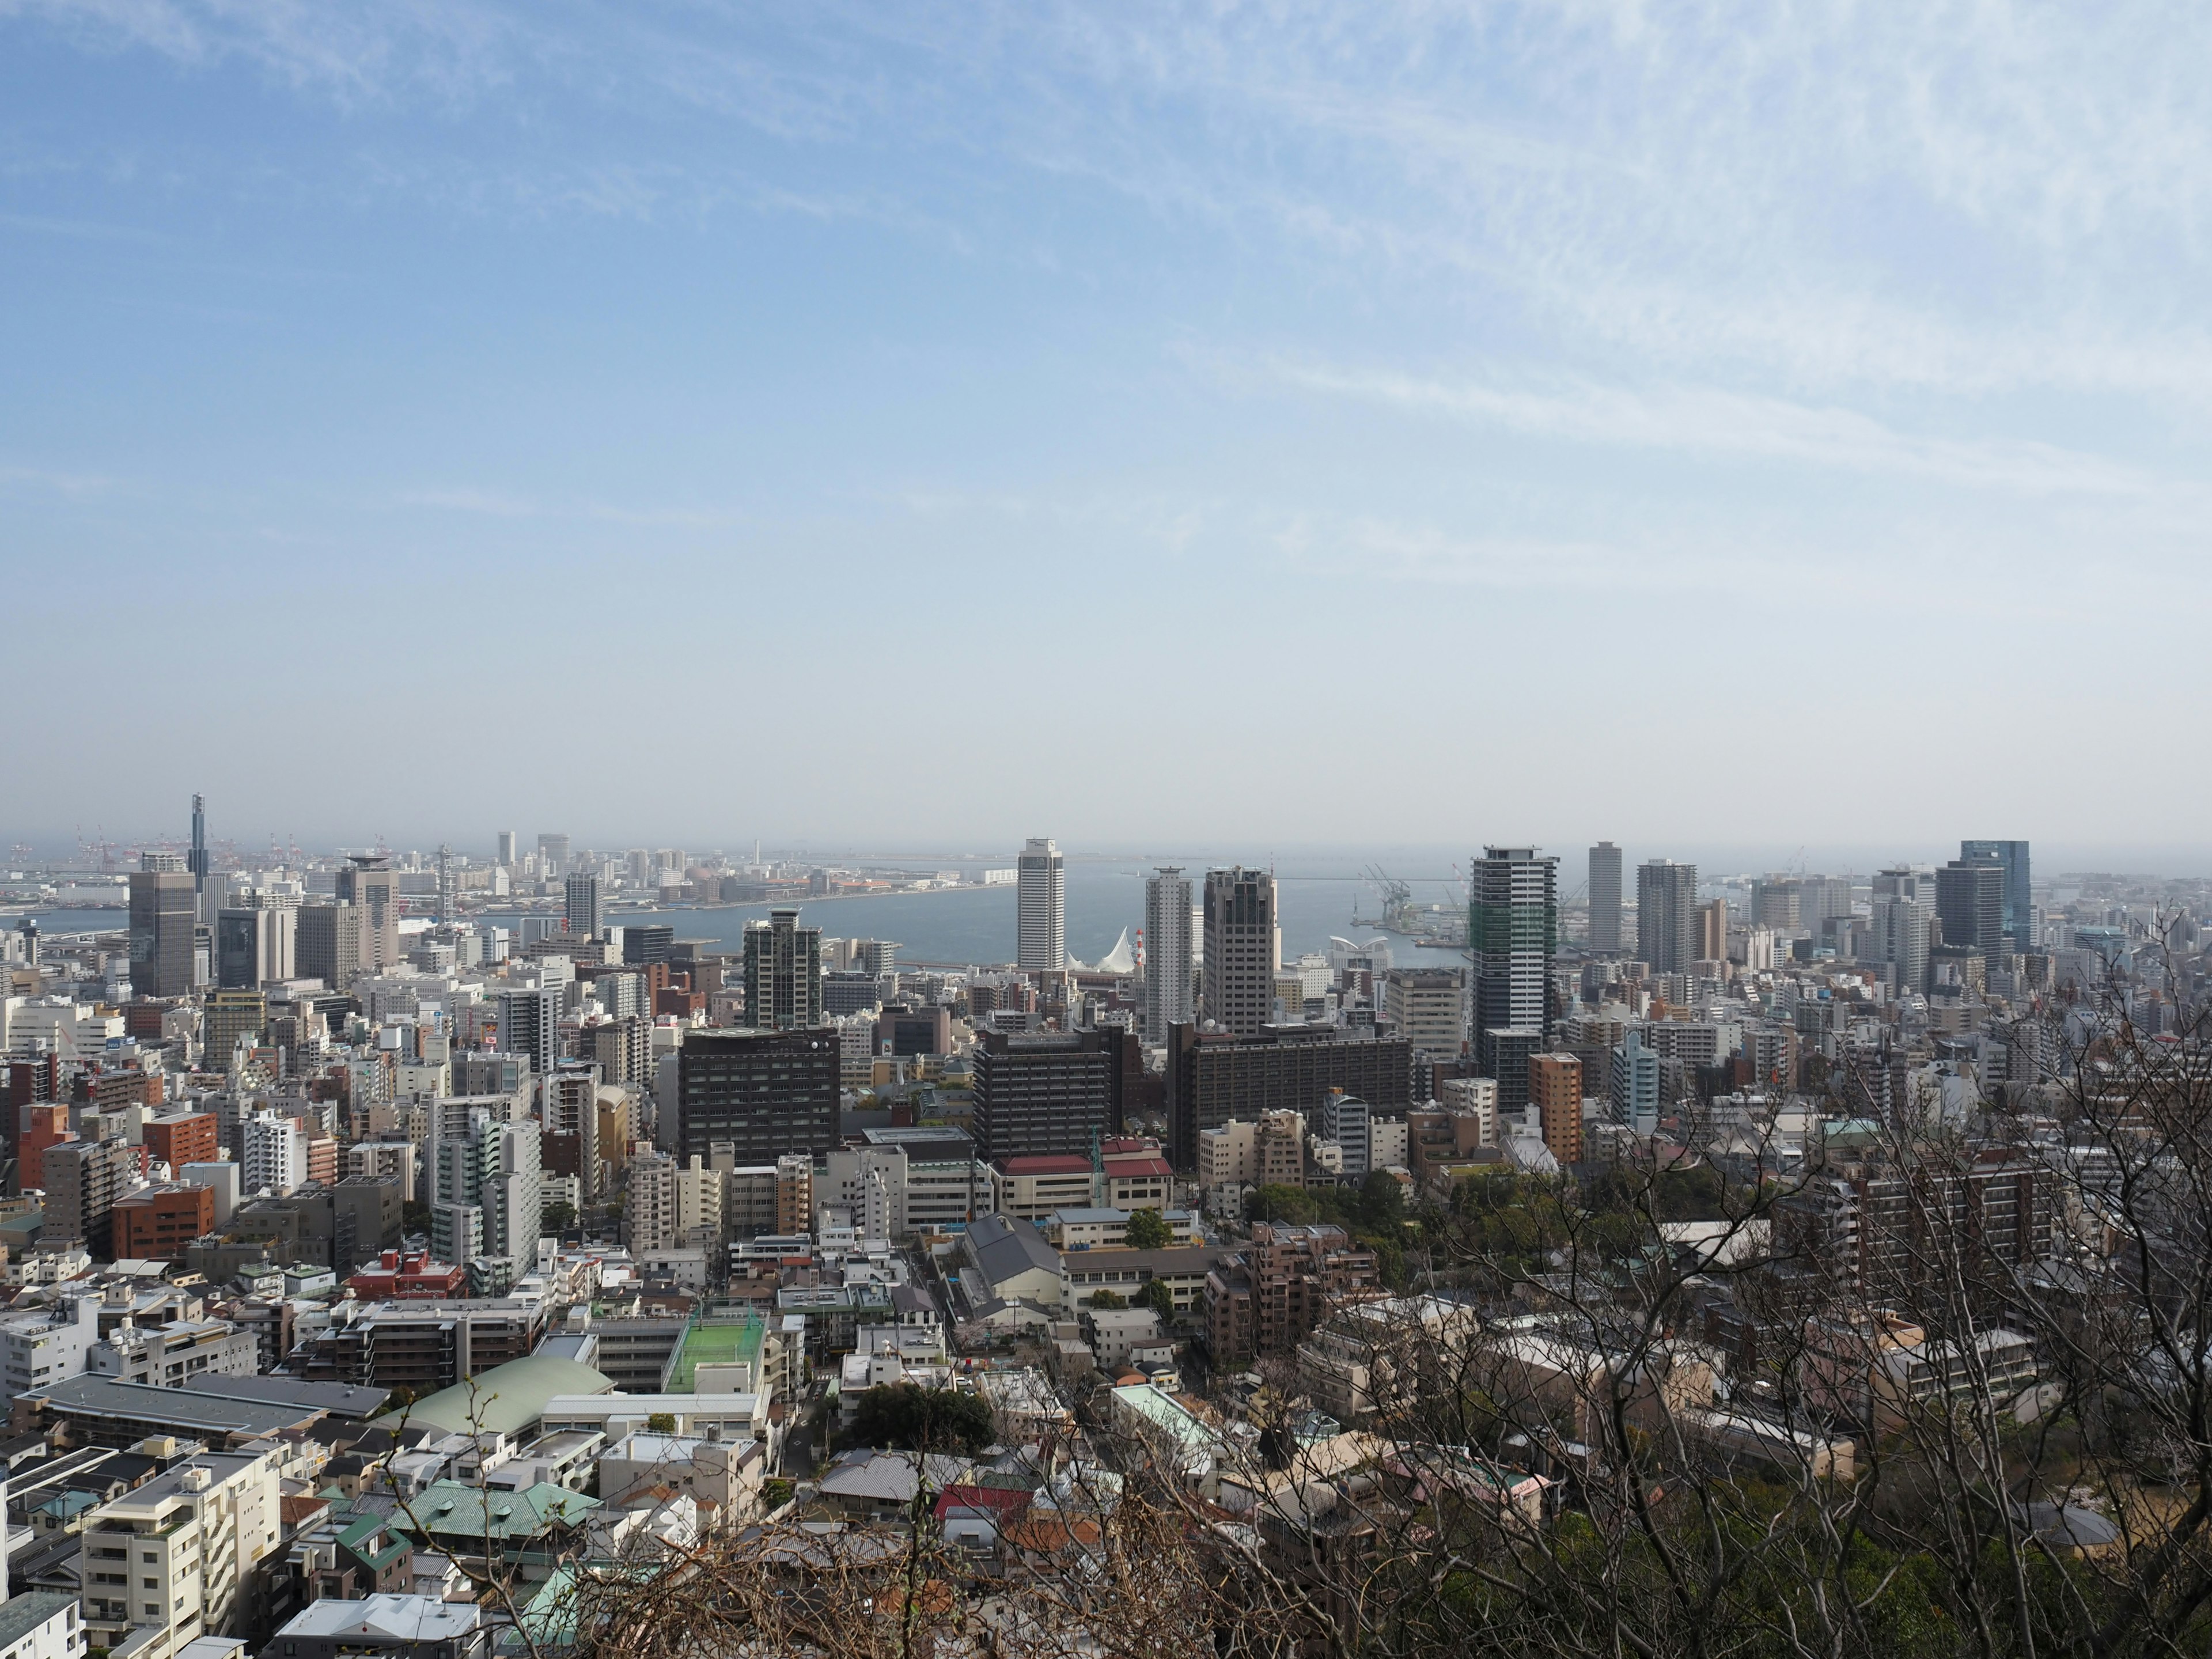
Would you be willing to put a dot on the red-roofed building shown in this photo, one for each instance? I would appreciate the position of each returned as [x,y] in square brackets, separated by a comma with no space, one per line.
[412,1277]
[1031,1187]
[1138,1180]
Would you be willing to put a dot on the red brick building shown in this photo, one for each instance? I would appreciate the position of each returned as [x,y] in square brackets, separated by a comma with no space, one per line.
[157,1223]
[182,1138]
[1268,1298]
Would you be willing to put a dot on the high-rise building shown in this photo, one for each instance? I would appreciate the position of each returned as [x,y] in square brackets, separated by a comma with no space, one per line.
[783,974]
[765,1092]
[528,1023]
[1712,930]
[368,884]
[1633,1087]
[1605,900]
[83,1179]
[1242,928]
[163,914]
[1040,917]
[1168,991]
[254,946]
[582,914]
[1213,1076]
[326,943]
[2019,920]
[1512,932]
[195,861]
[1970,903]
[487,1188]
[645,944]
[1897,933]
[274,1155]
[226,1016]
[552,854]
[1555,1089]
[1667,915]
[507,851]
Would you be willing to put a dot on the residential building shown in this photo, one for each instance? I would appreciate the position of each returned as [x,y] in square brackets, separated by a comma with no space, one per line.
[1555,1090]
[273,1153]
[1604,896]
[486,1190]
[1267,1297]
[579,913]
[163,914]
[1242,949]
[176,1139]
[649,1203]
[1265,1151]
[1169,965]
[1713,931]
[783,974]
[83,1179]
[568,1108]
[1041,909]
[1512,932]
[392,1626]
[1632,1089]
[393,1160]
[764,1092]
[1342,1121]
[169,1562]
[529,1023]
[1667,915]
[42,1347]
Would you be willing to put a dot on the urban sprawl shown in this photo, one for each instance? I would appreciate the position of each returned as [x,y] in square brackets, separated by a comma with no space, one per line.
[419,1253]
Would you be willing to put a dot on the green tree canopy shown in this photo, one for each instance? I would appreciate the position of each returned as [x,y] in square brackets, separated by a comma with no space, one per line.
[1109,1299]
[1148,1230]
[907,1416]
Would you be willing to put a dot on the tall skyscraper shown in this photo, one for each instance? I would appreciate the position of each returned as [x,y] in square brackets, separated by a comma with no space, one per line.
[581,915]
[1712,930]
[783,974]
[367,883]
[1240,931]
[552,854]
[528,1024]
[1512,932]
[197,862]
[1605,900]
[2019,920]
[164,912]
[1667,915]
[1970,903]
[327,944]
[1167,953]
[1040,922]
[1897,932]
[253,946]
[507,851]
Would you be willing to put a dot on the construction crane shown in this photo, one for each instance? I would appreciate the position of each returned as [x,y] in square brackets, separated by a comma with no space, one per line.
[1397,901]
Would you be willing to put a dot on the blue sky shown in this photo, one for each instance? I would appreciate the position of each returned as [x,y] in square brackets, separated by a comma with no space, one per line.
[1414,422]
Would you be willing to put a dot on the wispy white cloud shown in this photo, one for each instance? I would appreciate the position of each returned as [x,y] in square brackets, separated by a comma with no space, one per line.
[1714,421]
[502,504]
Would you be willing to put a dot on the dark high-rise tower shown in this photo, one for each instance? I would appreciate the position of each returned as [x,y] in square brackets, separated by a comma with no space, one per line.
[581,910]
[1605,899]
[1512,930]
[2019,920]
[1970,903]
[1237,979]
[1667,915]
[163,918]
[196,860]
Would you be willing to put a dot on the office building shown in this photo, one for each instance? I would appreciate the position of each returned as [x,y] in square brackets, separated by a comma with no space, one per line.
[552,855]
[1667,915]
[1512,932]
[1970,904]
[1555,1090]
[1215,1076]
[1241,951]
[1041,918]
[530,1022]
[227,1016]
[1169,994]
[1509,1049]
[783,974]
[581,915]
[486,1189]
[254,946]
[327,944]
[508,853]
[367,883]
[176,1139]
[1427,1008]
[766,1093]
[2018,921]
[1897,937]
[156,1224]
[163,914]
[1041,1093]
[1605,900]
[646,944]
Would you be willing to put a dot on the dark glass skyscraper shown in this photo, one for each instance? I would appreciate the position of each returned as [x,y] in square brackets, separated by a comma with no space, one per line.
[1605,899]
[1667,915]
[1970,903]
[2019,907]
[1512,932]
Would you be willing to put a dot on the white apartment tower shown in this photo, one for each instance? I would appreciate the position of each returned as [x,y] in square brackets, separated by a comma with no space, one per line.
[1041,925]
[1168,964]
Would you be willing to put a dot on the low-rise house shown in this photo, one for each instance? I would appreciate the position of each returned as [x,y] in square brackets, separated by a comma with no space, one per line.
[399,1626]
[1114,1332]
